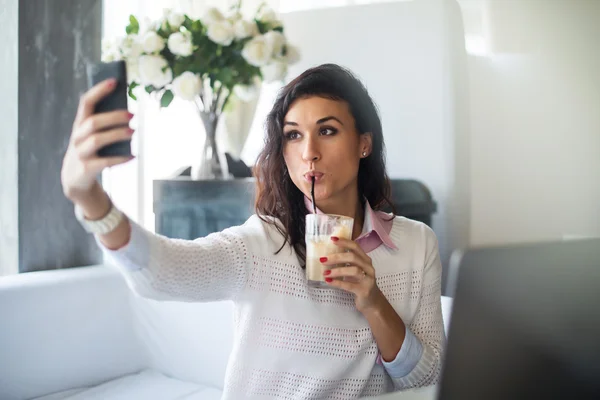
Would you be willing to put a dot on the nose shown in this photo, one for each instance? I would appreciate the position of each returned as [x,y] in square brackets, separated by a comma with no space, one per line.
[311,152]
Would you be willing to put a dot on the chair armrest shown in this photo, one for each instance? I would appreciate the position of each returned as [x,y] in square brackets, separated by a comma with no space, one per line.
[63,329]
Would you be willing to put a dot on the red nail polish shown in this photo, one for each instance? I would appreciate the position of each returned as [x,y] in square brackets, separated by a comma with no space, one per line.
[111,82]
[335,238]
[130,115]
[323,259]
[327,272]
[328,280]
[130,131]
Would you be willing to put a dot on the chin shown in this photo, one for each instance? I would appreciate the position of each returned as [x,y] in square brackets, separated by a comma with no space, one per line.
[321,193]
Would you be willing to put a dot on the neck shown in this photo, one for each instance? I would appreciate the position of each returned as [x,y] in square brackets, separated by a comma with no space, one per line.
[350,208]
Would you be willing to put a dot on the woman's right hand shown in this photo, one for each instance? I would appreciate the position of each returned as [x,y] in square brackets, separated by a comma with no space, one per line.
[81,164]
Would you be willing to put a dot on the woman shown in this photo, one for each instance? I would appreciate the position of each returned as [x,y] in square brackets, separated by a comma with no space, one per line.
[377,329]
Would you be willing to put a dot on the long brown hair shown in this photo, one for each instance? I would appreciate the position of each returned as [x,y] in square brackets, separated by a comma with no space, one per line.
[278,201]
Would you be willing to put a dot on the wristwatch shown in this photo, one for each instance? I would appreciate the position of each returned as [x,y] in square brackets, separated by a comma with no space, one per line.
[102,226]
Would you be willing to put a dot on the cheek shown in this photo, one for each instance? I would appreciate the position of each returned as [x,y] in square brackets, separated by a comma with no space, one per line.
[344,165]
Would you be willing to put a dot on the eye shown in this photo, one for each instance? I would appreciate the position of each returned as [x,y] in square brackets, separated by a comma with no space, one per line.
[291,135]
[328,131]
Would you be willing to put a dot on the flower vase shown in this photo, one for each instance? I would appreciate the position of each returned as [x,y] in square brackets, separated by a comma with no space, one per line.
[209,165]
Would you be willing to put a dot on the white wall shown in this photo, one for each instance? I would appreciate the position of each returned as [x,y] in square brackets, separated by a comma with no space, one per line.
[405,53]
[535,144]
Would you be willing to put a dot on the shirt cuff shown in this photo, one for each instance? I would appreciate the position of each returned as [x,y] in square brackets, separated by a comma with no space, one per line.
[131,257]
[407,358]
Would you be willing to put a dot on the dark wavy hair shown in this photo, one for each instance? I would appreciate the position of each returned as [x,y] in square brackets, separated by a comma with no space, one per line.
[277,196]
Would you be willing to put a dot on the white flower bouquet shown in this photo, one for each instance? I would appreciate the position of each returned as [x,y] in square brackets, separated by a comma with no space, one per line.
[204,60]
[223,54]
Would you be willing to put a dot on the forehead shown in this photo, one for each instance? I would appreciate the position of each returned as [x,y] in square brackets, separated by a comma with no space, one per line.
[313,108]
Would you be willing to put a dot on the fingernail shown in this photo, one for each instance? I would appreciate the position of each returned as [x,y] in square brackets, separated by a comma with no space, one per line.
[323,259]
[335,238]
[328,280]
[327,272]
[130,131]
[111,82]
[130,115]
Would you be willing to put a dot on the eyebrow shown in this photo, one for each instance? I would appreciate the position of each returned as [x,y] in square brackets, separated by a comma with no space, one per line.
[322,120]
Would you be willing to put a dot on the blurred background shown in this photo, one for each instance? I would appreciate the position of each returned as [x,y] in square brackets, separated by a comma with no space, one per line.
[493,105]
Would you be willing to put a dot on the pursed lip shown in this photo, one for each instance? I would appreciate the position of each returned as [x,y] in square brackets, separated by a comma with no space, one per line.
[309,175]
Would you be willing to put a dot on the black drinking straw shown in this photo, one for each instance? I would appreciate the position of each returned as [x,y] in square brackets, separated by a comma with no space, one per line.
[312,194]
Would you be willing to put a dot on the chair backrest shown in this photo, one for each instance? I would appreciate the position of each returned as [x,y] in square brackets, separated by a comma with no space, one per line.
[187,341]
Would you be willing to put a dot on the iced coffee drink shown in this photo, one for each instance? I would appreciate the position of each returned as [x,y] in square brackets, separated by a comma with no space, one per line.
[319,230]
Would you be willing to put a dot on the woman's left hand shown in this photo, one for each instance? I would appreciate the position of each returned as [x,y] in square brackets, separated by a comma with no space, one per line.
[357,276]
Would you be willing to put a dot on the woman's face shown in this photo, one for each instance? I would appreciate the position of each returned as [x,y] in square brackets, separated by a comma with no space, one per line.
[320,139]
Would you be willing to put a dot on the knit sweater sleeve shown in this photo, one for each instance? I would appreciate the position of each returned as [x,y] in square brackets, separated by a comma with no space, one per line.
[205,269]
[427,324]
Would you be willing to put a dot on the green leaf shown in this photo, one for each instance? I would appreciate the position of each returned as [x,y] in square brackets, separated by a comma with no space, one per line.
[187,23]
[196,26]
[278,29]
[150,89]
[262,26]
[166,98]
[132,86]
[134,25]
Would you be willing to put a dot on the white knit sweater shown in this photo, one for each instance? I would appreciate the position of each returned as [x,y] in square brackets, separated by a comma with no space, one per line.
[293,341]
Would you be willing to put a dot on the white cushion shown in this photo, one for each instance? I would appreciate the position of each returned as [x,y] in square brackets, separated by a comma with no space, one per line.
[147,385]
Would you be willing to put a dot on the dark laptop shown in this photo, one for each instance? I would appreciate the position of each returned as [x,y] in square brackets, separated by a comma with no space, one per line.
[525,324]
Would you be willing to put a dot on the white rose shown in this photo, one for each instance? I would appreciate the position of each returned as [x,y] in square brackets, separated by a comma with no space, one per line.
[257,51]
[180,43]
[235,16]
[187,85]
[212,15]
[274,71]
[131,46]
[133,71]
[220,32]
[243,29]
[151,71]
[110,50]
[146,25]
[175,20]
[292,54]
[267,14]
[152,42]
[276,41]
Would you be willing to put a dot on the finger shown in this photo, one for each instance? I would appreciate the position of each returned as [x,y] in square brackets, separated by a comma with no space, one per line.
[100,163]
[343,258]
[98,122]
[349,245]
[344,285]
[88,101]
[90,146]
[349,258]
[345,272]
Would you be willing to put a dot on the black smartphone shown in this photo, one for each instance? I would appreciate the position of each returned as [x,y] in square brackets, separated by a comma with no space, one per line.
[116,100]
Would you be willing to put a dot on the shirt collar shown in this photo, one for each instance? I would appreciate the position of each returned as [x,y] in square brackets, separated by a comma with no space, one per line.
[375,222]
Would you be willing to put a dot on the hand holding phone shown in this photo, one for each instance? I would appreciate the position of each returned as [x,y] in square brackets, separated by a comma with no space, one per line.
[116,100]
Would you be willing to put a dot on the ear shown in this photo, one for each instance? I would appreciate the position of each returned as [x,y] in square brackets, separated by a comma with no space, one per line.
[365,144]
